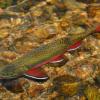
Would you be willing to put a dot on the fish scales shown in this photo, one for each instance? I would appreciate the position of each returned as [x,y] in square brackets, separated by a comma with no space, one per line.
[38,55]
[42,53]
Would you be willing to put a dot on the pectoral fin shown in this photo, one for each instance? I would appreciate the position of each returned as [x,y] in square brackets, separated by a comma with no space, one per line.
[75,46]
[36,74]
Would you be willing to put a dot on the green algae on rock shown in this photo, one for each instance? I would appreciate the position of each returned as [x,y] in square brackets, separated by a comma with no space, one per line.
[92,93]
[67,85]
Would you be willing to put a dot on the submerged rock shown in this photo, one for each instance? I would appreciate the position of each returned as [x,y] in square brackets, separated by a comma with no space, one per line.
[73,4]
[5,3]
[97,35]
[3,33]
[92,93]
[69,4]
[14,86]
[67,85]
[97,79]
[94,11]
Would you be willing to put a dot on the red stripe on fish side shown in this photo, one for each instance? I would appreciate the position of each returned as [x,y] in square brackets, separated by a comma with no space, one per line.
[97,28]
[75,46]
[35,72]
[47,61]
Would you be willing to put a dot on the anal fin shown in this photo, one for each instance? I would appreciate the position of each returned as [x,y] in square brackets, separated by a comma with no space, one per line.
[36,74]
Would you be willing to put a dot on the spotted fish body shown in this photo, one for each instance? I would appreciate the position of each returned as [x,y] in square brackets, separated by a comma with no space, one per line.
[40,56]
[33,58]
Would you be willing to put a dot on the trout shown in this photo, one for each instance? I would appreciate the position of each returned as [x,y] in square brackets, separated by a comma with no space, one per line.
[30,64]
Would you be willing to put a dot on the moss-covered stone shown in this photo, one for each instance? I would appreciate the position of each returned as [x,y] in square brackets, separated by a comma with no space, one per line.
[67,85]
[92,93]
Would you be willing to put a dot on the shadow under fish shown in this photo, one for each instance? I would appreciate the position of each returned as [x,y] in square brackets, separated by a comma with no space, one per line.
[16,86]
[12,85]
